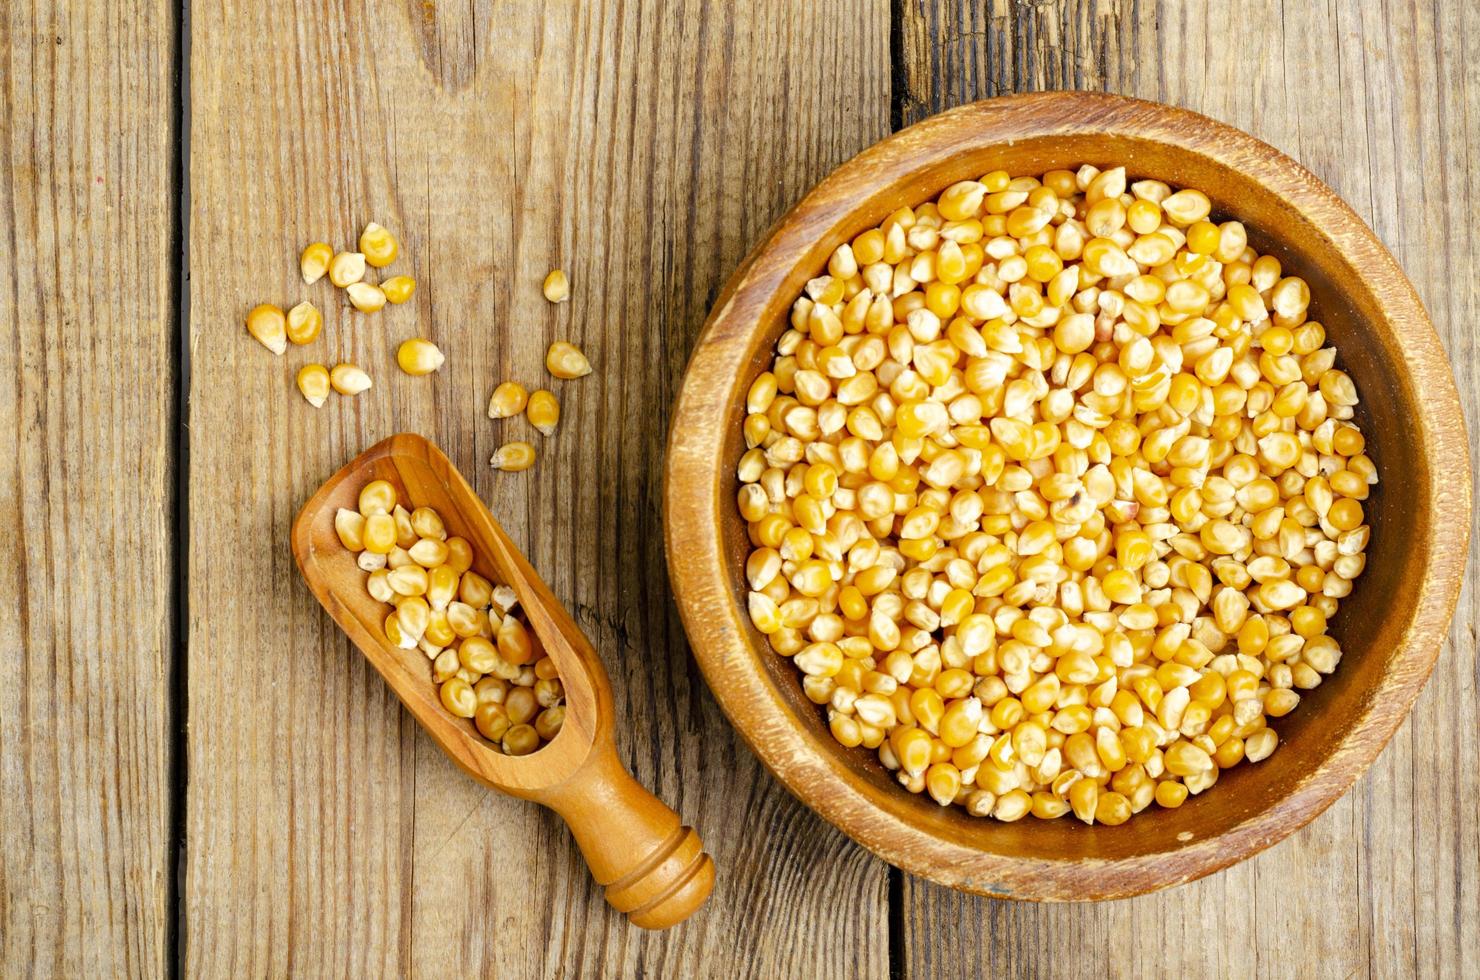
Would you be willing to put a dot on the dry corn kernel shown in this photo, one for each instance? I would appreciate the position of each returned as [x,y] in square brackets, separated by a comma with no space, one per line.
[418,357]
[565,360]
[556,287]
[378,246]
[377,497]
[513,456]
[304,322]
[508,400]
[268,326]
[314,262]
[346,268]
[365,297]
[543,412]
[398,289]
[313,382]
[348,379]
[1076,470]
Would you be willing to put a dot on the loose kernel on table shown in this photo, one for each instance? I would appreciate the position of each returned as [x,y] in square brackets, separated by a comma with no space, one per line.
[508,400]
[313,382]
[510,691]
[513,456]
[398,289]
[346,268]
[267,324]
[543,412]
[418,356]
[556,287]
[365,297]
[304,323]
[564,360]
[378,245]
[314,262]
[348,379]
[1053,488]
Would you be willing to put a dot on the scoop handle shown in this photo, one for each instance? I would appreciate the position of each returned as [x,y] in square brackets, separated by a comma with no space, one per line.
[653,867]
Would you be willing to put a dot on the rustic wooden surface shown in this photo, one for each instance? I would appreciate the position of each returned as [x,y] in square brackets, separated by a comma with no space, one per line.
[86,386]
[644,147]
[641,147]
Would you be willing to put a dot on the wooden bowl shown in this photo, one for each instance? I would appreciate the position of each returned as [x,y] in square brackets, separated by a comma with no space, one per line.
[1391,628]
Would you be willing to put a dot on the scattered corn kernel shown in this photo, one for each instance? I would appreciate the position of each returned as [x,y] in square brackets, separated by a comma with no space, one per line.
[508,400]
[314,262]
[501,681]
[313,382]
[304,323]
[565,360]
[417,356]
[513,456]
[398,289]
[543,412]
[348,379]
[346,268]
[365,297]
[268,325]
[1053,485]
[378,245]
[557,287]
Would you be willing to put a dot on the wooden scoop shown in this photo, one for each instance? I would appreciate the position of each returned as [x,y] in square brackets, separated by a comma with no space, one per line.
[653,867]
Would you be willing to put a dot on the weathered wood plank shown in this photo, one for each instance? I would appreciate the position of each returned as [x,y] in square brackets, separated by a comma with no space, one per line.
[642,147]
[86,388]
[1375,99]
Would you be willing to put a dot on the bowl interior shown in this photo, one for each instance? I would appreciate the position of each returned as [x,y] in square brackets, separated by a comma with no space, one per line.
[1370,622]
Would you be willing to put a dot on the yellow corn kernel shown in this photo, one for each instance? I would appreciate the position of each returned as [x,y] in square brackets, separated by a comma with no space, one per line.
[565,360]
[304,322]
[543,412]
[268,326]
[508,400]
[514,643]
[442,584]
[398,289]
[314,262]
[377,497]
[520,740]
[1170,794]
[556,287]
[458,698]
[365,297]
[491,719]
[350,526]
[418,357]
[380,533]
[346,268]
[347,379]
[513,457]
[313,382]
[378,246]
[459,554]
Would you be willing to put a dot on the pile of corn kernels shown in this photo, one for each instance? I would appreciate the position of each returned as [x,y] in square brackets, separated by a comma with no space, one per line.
[485,660]
[1053,486]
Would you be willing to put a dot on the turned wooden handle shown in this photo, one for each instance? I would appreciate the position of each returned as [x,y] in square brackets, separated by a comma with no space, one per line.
[653,867]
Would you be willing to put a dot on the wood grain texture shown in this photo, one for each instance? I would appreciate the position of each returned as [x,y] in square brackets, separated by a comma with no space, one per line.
[86,389]
[1377,100]
[643,148]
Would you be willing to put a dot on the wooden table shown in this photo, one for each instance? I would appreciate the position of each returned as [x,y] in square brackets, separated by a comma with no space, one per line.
[200,774]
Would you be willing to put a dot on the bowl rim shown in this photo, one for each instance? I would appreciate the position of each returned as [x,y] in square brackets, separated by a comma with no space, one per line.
[701,575]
